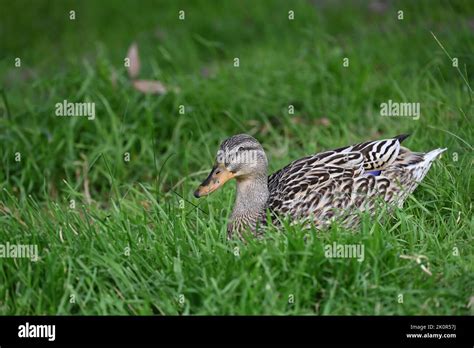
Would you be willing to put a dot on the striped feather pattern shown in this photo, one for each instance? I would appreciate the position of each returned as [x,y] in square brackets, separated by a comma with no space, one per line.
[335,185]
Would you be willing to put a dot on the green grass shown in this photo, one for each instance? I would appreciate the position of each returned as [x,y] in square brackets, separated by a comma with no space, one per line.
[144,244]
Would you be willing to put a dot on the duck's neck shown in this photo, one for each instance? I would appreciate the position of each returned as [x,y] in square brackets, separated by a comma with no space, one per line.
[250,202]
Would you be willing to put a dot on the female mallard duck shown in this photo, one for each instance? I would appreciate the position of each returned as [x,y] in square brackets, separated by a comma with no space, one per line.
[317,189]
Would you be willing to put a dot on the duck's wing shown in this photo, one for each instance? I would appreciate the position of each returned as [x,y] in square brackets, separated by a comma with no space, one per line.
[315,187]
[343,180]
[378,154]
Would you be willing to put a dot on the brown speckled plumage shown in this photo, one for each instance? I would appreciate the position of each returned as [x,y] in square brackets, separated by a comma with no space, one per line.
[319,189]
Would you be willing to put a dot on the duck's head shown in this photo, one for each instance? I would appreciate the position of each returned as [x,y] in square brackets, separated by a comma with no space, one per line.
[240,157]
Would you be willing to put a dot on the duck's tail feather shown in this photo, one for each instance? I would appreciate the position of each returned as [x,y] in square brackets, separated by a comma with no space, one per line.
[421,168]
[432,155]
[409,170]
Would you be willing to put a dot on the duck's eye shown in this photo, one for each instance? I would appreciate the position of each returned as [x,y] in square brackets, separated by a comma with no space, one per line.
[217,171]
[246,148]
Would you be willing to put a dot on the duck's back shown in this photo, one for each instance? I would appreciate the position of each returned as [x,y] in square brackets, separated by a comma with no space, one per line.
[340,183]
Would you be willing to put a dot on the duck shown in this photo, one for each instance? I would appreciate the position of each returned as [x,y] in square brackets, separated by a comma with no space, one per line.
[316,190]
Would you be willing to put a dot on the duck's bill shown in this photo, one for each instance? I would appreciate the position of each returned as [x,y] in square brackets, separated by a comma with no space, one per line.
[218,176]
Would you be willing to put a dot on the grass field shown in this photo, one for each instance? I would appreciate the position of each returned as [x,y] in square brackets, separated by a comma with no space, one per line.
[128,237]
